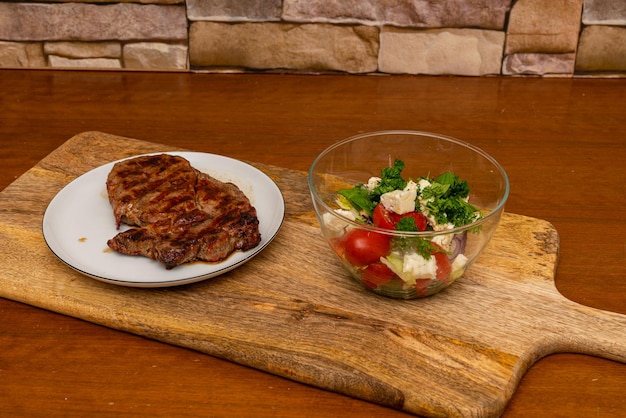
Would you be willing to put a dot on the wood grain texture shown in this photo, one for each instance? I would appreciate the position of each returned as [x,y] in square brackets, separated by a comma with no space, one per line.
[560,140]
[293,312]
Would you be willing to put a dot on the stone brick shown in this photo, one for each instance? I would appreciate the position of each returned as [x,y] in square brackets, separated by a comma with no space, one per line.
[544,26]
[441,51]
[84,49]
[234,10]
[308,47]
[155,56]
[90,22]
[604,12]
[21,55]
[91,63]
[539,64]
[489,14]
[602,48]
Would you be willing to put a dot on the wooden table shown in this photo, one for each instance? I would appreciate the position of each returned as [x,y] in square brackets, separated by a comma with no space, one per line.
[562,142]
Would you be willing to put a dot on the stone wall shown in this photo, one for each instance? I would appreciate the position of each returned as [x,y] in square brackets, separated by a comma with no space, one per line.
[436,37]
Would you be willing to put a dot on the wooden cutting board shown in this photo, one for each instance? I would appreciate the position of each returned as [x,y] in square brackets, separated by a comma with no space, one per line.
[293,311]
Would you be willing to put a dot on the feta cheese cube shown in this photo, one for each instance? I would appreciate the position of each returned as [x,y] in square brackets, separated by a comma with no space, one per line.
[440,227]
[419,267]
[458,266]
[372,183]
[335,224]
[423,183]
[400,201]
[459,262]
[444,241]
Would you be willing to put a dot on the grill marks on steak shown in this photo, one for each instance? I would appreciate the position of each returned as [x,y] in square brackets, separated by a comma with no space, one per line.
[180,214]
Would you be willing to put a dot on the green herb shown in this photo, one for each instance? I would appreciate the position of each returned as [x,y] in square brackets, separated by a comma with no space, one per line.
[446,197]
[422,246]
[364,200]
[390,180]
[407,224]
[456,186]
[452,210]
[359,198]
[446,201]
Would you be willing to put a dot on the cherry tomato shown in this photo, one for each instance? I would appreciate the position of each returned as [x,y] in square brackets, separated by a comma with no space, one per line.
[376,275]
[444,268]
[419,218]
[387,219]
[364,247]
[384,218]
[421,286]
[337,245]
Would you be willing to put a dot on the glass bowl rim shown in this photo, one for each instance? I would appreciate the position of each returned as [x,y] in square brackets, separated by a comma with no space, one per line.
[496,210]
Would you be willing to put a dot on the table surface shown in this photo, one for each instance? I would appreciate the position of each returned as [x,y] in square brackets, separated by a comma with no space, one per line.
[562,142]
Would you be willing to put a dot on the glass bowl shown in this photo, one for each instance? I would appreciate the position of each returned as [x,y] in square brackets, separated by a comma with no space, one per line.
[384,260]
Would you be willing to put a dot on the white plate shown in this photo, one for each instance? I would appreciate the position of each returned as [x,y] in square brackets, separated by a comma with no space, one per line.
[79,221]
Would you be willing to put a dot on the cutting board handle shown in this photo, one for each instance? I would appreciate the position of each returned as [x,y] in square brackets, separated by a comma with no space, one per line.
[576,328]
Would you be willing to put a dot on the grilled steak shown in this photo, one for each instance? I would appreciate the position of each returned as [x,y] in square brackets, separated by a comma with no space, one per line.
[180,214]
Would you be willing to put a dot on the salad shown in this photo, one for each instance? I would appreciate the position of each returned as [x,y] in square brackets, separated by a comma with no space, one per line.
[392,263]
